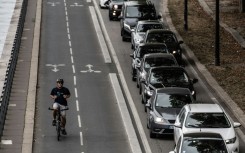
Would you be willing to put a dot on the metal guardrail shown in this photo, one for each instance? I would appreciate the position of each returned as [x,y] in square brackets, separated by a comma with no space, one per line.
[4,99]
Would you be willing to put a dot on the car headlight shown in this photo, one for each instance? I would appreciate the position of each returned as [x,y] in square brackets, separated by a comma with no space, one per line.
[229,141]
[149,92]
[193,93]
[142,75]
[115,7]
[127,26]
[159,120]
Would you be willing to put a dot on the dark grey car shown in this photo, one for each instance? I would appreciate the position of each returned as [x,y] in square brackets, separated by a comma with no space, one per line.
[164,105]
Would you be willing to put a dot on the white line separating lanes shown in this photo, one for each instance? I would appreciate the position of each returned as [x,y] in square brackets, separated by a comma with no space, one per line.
[77,105]
[135,114]
[127,122]
[100,36]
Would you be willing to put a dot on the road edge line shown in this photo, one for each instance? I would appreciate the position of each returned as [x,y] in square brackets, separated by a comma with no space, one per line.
[31,96]
[127,122]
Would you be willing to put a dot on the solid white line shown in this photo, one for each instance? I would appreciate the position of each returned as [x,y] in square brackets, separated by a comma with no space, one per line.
[73,69]
[79,121]
[100,36]
[75,81]
[72,61]
[77,104]
[76,92]
[81,138]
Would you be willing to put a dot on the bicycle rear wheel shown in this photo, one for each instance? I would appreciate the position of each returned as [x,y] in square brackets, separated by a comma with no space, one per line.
[58,131]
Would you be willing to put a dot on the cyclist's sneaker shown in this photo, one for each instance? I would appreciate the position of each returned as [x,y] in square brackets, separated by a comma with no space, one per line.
[64,131]
[54,123]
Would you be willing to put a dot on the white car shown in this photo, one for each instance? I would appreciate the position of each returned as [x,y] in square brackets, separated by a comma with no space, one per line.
[102,4]
[207,118]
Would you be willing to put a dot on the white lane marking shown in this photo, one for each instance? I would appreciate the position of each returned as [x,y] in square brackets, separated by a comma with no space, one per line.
[6,142]
[53,3]
[88,1]
[76,92]
[67,18]
[72,61]
[79,121]
[71,51]
[77,104]
[75,80]
[100,36]
[127,122]
[69,43]
[76,5]
[66,12]
[89,66]
[68,30]
[12,105]
[55,69]
[73,69]
[69,36]
[81,138]
[67,24]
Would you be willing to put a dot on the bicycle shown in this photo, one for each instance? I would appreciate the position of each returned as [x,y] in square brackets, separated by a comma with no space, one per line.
[58,121]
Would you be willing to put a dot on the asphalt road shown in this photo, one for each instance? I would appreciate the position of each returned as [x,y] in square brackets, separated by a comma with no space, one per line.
[70,42]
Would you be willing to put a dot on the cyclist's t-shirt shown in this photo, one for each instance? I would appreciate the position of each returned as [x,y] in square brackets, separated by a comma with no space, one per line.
[59,93]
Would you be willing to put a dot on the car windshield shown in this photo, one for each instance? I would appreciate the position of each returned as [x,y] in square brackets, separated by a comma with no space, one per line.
[145,27]
[172,100]
[207,120]
[161,38]
[158,61]
[168,77]
[207,145]
[152,49]
[140,11]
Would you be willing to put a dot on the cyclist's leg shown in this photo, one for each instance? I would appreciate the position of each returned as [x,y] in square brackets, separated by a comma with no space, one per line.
[55,107]
[63,119]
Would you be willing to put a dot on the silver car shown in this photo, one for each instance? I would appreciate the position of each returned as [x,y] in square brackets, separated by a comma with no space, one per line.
[138,33]
[207,118]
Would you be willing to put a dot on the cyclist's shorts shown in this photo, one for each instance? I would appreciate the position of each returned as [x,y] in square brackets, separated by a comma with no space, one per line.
[57,105]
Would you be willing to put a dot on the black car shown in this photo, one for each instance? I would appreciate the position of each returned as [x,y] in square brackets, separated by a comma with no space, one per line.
[153,60]
[201,142]
[169,38]
[145,49]
[165,104]
[166,76]
[115,8]
[132,12]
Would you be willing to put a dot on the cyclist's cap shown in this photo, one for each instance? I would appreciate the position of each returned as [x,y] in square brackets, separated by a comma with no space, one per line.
[60,81]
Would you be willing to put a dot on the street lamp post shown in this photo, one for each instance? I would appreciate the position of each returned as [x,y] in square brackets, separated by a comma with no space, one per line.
[217,36]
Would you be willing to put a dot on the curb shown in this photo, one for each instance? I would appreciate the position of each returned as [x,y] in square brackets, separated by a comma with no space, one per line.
[31,96]
[239,114]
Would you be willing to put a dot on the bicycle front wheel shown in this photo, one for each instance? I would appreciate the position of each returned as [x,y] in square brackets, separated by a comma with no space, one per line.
[58,131]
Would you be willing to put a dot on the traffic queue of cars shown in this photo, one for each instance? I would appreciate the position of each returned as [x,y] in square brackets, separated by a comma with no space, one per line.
[166,89]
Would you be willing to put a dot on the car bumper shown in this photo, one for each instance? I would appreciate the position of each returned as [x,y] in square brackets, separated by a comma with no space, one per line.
[234,147]
[162,129]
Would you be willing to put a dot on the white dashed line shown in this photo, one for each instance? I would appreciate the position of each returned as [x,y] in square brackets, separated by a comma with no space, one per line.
[77,104]
[6,142]
[73,69]
[68,30]
[81,138]
[69,36]
[72,61]
[67,24]
[71,51]
[76,92]
[69,43]
[79,121]
[12,105]
[75,81]
[67,18]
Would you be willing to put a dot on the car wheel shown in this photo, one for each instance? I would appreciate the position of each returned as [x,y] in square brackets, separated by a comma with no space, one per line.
[133,74]
[140,89]
[132,46]
[145,109]
[137,82]
[122,34]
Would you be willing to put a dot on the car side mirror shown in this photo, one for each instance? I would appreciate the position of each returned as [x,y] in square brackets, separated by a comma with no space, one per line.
[236,124]
[194,80]
[178,125]
[131,55]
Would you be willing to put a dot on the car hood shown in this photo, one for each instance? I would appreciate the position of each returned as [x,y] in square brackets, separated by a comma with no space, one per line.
[131,21]
[162,85]
[139,36]
[226,133]
[172,46]
[168,113]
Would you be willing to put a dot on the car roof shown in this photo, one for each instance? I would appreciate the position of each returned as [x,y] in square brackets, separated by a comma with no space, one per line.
[137,2]
[177,90]
[153,55]
[160,31]
[202,135]
[152,44]
[205,108]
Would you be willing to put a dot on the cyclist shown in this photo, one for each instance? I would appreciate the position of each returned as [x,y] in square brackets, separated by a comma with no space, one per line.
[60,95]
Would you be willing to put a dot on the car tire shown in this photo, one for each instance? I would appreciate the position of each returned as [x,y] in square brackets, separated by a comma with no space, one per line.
[145,109]
[122,34]
[140,89]
[133,75]
[132,46]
